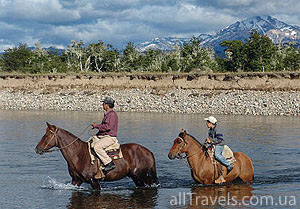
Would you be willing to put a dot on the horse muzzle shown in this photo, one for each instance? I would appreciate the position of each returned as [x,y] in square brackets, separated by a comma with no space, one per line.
[172,156]
[39,150]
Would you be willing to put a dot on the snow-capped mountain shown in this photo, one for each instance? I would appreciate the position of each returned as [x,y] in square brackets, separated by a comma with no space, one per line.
[284,35]
[241,30]
[164,43]
[276,30]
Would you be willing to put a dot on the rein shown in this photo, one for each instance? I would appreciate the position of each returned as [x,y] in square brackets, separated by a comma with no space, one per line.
[54,134]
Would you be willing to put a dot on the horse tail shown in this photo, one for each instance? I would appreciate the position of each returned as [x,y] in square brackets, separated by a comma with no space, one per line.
[153,172]
[143,173]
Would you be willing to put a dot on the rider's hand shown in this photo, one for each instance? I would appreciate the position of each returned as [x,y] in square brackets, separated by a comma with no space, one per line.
[208,140]
[93,125]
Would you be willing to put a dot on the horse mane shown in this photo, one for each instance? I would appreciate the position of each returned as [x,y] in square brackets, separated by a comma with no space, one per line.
[181,135]
[70,134]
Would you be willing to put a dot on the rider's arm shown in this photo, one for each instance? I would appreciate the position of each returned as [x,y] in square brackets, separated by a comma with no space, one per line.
[212,135]
[107,124]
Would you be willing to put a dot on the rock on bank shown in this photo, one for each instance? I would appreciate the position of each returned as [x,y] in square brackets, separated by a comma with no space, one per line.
[240,102]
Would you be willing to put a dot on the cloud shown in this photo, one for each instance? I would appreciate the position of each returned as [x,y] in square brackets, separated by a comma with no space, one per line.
[117,22]
[39,11]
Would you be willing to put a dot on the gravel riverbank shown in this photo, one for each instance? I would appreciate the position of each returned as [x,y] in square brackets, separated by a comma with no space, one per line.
[240,102]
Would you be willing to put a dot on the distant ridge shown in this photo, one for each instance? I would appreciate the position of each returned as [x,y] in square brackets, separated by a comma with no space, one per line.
[51,50]
[276,30]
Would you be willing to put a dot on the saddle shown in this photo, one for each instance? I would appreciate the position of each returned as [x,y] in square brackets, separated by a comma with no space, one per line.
[113,151]
[227,153]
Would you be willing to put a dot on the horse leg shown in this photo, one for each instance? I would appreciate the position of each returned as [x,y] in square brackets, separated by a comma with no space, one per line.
[144,177]
[220,180]
[138,182]
[95,184]
[76,182]
[246,175]
[246,169]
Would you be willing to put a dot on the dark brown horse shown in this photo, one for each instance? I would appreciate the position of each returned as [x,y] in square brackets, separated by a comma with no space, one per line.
[138,162]
[202,168]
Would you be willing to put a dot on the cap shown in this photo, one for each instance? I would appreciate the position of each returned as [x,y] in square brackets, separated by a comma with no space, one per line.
[108,100]
[211,119]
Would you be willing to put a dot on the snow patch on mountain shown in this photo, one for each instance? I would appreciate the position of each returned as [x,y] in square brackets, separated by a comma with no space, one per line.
[276,30]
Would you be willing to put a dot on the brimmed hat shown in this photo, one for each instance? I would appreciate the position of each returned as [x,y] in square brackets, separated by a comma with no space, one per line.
[211,119]
[108,100]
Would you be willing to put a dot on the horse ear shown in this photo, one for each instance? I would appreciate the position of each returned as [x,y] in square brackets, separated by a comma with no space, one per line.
[183,131]
[51,127]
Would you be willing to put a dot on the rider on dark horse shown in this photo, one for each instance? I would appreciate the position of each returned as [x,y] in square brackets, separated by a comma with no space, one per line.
[217,140]
[107,135]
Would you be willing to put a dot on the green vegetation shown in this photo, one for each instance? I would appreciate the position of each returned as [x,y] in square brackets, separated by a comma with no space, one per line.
[256,54]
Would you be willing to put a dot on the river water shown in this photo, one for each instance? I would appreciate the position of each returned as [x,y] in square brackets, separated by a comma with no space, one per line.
[28,180]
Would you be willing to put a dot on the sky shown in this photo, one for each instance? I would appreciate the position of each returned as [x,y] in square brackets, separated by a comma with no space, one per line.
[117,22]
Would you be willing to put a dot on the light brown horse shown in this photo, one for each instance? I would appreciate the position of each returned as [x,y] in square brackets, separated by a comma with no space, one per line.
[203,170]
[138,162]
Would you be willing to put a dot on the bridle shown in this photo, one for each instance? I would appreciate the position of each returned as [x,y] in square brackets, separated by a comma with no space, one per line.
[54,135]
[187,156]
[182,146]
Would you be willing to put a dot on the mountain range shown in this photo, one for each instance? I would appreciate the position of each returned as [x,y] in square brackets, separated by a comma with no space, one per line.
[276,30]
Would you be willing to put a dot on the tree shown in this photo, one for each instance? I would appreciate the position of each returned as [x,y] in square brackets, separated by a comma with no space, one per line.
[153,60]
[112,60]
[260,51]
[75,52]
[195,56]
[291,59]
[236,55]
[130,58]
[97,52]
[17,58]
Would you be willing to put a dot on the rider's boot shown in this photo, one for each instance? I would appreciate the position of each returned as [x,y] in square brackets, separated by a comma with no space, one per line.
[110,166]
[229,168]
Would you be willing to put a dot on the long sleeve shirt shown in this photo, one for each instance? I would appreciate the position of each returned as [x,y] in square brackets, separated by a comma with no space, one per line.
[214,137]
[109,124]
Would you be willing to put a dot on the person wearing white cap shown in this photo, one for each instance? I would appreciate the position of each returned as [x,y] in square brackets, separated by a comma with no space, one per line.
[216,140]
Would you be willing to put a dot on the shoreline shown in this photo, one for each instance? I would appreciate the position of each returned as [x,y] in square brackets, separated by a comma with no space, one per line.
[219,93]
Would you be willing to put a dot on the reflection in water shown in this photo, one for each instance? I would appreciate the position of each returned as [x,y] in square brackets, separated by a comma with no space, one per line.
[233,195]
[139,198]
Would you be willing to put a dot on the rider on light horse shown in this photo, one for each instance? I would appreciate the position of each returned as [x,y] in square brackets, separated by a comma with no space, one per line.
[216,140]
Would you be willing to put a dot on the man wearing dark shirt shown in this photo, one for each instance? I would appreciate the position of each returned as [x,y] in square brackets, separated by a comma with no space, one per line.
[217,140]
[107,134]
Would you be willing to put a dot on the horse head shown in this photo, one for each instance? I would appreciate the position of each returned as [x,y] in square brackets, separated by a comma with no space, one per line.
[48,141]
[179,146]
